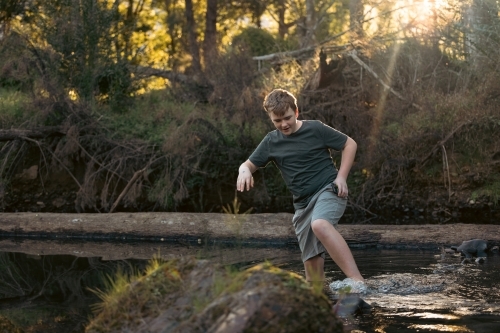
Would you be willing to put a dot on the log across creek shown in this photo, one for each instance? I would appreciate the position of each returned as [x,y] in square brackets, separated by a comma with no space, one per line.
[270,229]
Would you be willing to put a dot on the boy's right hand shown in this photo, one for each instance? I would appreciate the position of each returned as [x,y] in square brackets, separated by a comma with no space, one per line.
[245,179]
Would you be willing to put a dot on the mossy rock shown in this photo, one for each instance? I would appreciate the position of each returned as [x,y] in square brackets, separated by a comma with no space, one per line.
[189,295]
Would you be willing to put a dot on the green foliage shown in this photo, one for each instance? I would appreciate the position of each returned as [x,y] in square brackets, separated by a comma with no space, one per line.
[13,107]
[150,118]
[161,193]
[75,64]
[76,49]
[199,144]
[290,76]
[26,317]
[258,41]
[141,293]
[490,191]
[115,86]
[289,43]
[83,45]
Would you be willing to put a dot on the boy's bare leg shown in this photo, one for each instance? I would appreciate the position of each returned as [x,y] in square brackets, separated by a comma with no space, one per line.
[314,268]
[337,248]
[315,272]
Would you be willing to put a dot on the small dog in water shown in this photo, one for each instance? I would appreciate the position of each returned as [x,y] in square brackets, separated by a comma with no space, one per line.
[475,248]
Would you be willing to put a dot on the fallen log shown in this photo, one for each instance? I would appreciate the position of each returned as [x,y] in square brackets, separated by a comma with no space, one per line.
[243,228]
[35,133]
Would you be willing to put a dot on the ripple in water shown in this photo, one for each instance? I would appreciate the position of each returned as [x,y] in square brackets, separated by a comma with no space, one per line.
[445,296]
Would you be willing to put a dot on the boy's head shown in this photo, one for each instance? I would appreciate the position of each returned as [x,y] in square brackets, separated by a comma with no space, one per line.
[279,101]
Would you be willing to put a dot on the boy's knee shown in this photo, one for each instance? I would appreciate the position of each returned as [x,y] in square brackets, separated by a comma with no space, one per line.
[320,226]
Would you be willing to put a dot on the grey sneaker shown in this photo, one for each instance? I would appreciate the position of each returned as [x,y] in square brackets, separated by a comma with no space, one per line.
[349,285]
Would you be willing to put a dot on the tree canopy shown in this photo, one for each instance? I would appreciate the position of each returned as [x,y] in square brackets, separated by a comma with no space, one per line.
[159,101]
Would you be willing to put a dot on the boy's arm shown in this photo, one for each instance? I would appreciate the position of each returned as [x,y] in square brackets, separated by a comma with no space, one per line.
[348,154]
[245,179]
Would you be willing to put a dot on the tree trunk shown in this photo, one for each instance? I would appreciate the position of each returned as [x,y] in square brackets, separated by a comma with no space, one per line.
[210,41]
[194,49]
[480,16]
[310,25]
[174,29]
[356,18]
[283,27]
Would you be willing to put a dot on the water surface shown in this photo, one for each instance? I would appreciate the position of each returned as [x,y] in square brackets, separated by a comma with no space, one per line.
[411,290]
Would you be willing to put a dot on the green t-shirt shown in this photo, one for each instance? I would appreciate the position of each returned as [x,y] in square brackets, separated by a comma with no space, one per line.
[303,158]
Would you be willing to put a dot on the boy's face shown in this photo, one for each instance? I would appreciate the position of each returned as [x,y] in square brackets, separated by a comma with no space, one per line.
[286,124]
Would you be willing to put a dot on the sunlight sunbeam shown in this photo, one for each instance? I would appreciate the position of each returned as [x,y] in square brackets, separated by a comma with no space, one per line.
[380,105]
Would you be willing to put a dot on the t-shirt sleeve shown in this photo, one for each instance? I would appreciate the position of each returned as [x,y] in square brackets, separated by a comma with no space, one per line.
[333,139]
[260,157]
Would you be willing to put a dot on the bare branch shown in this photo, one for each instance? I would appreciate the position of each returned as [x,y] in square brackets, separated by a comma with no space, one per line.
[57,159]
[353,55]
[142,72]
[36,133]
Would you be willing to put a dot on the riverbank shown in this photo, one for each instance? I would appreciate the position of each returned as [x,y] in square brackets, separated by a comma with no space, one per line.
[251,229]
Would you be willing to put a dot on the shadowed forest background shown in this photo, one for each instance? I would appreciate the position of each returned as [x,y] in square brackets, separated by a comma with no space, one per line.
[144,105]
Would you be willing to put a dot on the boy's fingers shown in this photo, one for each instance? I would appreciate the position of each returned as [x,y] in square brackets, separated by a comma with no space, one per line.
[343,191]
[240,185]
[244,183]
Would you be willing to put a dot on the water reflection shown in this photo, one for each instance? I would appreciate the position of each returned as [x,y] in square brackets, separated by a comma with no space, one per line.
[44,285]
[52,293]
[441,328]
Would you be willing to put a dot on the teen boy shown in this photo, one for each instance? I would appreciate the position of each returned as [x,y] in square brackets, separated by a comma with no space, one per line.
[300,149]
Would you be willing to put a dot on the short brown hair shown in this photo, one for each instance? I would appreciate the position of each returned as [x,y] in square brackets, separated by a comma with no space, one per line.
[279,101]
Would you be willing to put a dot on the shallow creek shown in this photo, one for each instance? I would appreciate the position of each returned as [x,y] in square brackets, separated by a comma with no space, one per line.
[409,290]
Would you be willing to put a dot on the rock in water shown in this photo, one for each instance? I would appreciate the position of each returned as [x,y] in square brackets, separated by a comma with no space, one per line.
[189,295]
[350,304]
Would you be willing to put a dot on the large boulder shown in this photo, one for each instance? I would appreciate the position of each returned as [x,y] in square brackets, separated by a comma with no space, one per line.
[189,295]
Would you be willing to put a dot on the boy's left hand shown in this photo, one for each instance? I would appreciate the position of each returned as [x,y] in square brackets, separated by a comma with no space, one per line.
[342,186]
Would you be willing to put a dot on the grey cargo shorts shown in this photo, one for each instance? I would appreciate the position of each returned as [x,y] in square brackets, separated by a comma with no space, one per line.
[326,205]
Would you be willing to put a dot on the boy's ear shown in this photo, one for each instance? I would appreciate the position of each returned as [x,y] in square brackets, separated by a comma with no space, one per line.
[296,112]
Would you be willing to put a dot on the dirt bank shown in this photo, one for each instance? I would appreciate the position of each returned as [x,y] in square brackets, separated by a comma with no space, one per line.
[203,227]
